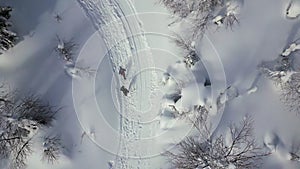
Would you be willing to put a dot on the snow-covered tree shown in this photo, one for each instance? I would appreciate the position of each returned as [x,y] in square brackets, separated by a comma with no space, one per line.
[179,8]
[291,92]
[66,49]
[279,69]
[190,55]
[20,120]
[7,37]
[238,150]
[201,13]
[52,148]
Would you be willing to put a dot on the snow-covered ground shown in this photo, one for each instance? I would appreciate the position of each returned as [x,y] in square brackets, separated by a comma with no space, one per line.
[100,126]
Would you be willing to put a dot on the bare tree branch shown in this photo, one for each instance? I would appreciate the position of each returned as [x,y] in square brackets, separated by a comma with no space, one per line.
[214,152]
[20,120]
[52,148]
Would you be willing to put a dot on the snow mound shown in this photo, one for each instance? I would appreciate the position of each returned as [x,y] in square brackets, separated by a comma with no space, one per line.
[292,48]
[293,10]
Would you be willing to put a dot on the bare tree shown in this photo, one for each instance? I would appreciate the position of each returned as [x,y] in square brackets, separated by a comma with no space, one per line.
[201,13]
[291,92]
[230,19]
[7,37]
[200,24]
[181,9]
[52,148]
[214,152]
[20,120]
[33,108]
[207,6]
[15,141]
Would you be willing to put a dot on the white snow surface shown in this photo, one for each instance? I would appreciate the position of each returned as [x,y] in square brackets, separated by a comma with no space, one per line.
[102,128]
[292,48]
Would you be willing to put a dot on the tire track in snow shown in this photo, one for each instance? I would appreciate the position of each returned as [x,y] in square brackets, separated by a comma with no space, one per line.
[109,19]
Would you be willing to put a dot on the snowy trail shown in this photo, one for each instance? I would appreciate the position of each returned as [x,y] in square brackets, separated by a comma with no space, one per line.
[124,38]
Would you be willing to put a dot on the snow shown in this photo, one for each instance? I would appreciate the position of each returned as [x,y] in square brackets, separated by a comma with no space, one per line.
[292,48]
[218,20]
[100,127]
[293,9]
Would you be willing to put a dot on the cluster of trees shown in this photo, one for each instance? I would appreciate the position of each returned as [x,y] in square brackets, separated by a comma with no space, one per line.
[7,37]
[66,50]
[21,119]
[238,149]
[201,13]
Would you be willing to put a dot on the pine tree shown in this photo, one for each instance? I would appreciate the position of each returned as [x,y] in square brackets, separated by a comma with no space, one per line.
[7,37]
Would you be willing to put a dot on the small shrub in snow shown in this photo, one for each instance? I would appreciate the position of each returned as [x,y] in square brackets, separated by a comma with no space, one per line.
[217,152]
[66,49]
[7,37]
[279,69]
[58,18]
[111,164]
[52,148]
[295,152]
[189,51]
[230,19]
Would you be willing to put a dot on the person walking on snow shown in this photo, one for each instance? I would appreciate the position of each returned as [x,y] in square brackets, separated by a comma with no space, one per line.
[122,72]
[124,90]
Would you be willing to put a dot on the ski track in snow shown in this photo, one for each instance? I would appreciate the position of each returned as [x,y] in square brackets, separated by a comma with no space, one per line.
[124,39]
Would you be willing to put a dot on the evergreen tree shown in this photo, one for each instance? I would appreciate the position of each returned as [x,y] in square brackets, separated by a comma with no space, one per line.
[7,37]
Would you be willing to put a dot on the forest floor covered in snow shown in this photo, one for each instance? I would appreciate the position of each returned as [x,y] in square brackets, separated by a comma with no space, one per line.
[124,91]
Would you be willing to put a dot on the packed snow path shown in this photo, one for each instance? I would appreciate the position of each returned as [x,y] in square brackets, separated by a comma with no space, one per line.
[124,39]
